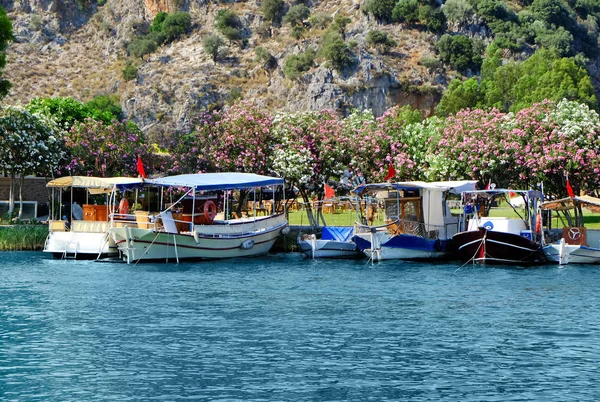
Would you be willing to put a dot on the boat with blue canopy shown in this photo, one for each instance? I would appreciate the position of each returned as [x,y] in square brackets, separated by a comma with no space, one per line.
[203,223]
[415,222]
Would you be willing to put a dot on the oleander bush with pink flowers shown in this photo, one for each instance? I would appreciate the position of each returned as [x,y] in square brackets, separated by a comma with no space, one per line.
[541,143]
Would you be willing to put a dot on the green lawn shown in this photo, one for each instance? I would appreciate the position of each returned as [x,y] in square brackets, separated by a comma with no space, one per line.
[592,220]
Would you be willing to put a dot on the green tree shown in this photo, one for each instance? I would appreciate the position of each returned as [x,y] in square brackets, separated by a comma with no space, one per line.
[141,46]
[458,51]
[380,9]
[272,9]
[6,36]
[228,23]
[212,44]
[296,14]
[460,95]
[176,25]
[457,12]
[28,145]
[335,51]
[157,22]
[433,18]
[66,112]
[406,11]
[556,12]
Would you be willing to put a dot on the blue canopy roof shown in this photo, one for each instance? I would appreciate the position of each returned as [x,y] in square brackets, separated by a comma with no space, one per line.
[216,181]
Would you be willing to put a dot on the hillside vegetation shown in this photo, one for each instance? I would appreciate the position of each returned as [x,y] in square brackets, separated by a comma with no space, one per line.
[167,61]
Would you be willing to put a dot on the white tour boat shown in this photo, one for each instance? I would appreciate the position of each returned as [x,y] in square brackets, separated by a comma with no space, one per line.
[577,244]
[85,237]
[201,224]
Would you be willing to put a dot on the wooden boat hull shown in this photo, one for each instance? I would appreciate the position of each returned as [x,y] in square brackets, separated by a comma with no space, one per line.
[246,239]
[489,247]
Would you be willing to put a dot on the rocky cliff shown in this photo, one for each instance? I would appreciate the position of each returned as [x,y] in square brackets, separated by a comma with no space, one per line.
[77,48]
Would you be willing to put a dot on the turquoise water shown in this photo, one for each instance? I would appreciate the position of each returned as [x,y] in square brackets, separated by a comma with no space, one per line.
[281,328]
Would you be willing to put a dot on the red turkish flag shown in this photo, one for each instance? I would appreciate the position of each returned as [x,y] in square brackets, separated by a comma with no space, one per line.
[140,168]
[391,173]
[329,192]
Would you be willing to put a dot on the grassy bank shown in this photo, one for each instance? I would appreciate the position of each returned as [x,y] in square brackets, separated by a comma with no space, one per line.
[23,237]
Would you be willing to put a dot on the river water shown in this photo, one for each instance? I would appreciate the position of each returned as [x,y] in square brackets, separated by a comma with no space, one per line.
[280,328]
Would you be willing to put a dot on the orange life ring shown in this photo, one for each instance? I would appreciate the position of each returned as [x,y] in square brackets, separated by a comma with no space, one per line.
[124,207]
[210,210]
[538,223]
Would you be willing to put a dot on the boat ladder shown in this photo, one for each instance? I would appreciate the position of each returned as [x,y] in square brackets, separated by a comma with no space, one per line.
[71,250]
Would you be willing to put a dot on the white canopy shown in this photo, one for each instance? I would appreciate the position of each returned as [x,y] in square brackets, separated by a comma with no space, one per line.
[95,185]
[216,181]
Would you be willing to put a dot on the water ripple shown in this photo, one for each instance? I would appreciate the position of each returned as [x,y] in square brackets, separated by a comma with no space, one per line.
[286,329]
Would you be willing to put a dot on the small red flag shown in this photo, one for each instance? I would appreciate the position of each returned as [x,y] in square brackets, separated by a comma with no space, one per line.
[140,167]
[391,173]
[329,192]
[489,185]
[570,189]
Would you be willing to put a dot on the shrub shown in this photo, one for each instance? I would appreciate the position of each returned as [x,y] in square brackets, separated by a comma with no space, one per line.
[262,54]
[432,63]
[298,32]
[320,20]
[295,65]
[264,30]
[129,71]
[380,40]
[106,104]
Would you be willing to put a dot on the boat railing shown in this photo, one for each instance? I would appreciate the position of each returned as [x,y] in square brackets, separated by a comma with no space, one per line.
[414,228]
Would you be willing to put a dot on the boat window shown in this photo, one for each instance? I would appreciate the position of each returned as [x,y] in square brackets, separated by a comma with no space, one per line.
[410,210]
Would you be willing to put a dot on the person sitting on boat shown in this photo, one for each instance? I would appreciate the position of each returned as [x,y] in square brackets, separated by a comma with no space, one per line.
[77,211]
[358,179]
[124,206]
